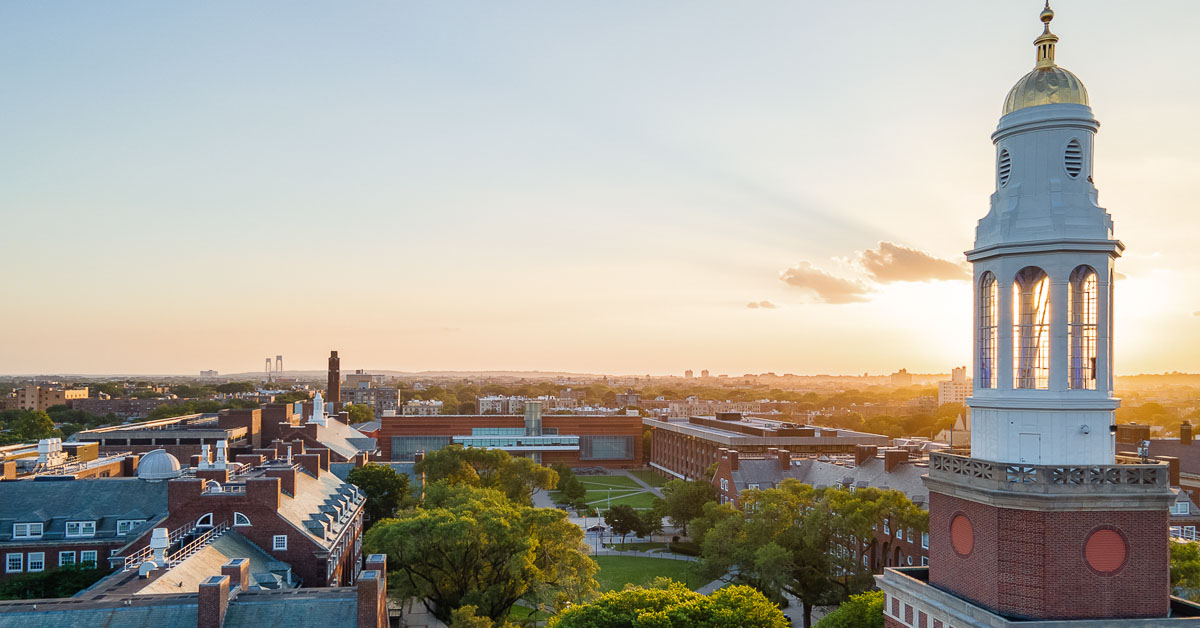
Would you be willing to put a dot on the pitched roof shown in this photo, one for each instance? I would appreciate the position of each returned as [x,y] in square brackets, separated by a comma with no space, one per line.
[322,506]
[104,501]
[187,575]
[343,439]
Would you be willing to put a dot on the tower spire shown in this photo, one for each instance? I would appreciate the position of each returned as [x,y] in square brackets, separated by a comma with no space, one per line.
[1046,41]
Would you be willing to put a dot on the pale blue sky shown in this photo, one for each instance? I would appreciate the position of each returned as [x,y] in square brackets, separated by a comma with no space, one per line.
[588,186]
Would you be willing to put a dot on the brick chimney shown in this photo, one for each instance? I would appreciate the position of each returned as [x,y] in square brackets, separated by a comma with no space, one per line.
[250,460]
[1185,433]
[863,453]
[213,602]
[310,462]
[130,464]
[372,593]
[238,570]
[217,475]
[263,491]
[287,479]
[733,459]
[893,458]
[785,459]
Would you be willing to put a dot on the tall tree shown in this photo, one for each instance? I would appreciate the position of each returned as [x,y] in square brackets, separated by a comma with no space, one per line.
[668,604]
[360,412]
[623,520]
[684,500]
[864,610]
[519,478]
[473,546]
[1185,570]
[386,490]
[801,540]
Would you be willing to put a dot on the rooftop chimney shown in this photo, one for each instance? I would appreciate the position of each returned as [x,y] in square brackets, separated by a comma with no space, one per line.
[238,570]
[863,453]
[159,542]
[785,459]
[733,459]
[1185,433]
[893,458]
[213,602]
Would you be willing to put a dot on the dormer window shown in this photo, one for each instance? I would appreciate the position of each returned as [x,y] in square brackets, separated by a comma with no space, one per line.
[27,530]
[124,526]
[77,529]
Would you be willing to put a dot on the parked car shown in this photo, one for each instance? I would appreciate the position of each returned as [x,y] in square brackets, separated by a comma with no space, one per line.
[597,528]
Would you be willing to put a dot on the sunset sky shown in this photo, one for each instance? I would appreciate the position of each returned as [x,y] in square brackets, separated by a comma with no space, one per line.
[620,187]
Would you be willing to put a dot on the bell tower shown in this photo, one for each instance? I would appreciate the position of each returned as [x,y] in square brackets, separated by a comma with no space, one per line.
[1041,522]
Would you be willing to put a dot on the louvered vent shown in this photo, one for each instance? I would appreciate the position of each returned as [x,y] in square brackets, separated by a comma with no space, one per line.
[1004,168]
[1074,158]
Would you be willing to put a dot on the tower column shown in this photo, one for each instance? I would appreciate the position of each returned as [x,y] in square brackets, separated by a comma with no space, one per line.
[1058,331]
[1004,331]
[1104,329]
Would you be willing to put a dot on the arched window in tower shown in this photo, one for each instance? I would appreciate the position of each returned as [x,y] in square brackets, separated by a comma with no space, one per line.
[988,305]
[1031,329]
[1073,158]
[1082,329]
[1003,167]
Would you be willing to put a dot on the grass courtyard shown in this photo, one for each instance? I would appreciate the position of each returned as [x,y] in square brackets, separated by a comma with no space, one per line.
[617,571]
[621,489]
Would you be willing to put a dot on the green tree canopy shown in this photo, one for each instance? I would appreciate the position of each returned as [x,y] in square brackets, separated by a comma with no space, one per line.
[1185,570]
[292,396]
[518,478]
[386,490]
[812,558]
[684,500]
[473,546]
[668,604]
[623,519]
[233,388]
[360,413]
[864,610]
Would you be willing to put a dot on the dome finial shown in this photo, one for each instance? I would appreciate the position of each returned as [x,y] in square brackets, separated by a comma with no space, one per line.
[1046,41]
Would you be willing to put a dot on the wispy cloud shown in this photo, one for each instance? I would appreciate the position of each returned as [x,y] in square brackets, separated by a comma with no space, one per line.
[893,262]
[824,287]
[765,305]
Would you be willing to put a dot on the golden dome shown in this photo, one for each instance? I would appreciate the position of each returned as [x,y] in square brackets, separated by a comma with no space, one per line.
[1047,83]
[1044,86]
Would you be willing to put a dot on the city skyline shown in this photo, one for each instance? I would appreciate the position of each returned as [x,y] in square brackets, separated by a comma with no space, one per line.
[556,188]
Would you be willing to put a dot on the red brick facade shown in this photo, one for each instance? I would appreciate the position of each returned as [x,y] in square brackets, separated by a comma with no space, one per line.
[1026,563]
[578,425]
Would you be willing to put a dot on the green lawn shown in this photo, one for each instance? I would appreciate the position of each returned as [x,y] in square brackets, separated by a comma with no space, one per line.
[605,481]
[617,571]
[650,476]
[640,501]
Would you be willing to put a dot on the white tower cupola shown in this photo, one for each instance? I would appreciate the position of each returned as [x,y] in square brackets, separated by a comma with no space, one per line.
[1043,271]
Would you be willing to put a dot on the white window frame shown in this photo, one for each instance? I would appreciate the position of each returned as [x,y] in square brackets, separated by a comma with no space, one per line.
[205,520]
[83,529]
[125,526]
[62,554]
[279,542]
[887,528]
[94,558]
[38,558]
[240,520]
[924,540]
[26,530]
[14,559]
[909,536]
[924,561]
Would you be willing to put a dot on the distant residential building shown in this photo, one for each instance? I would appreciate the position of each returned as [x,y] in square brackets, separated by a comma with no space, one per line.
[692,406]
[208,373]
[924,403]
[901,378]
[628,398]
[575,394]
[687,374]
[420,407]
[957,389]
[39,397]
[704,373]
[359,376]
[367,390]
[123,408]
[499,404]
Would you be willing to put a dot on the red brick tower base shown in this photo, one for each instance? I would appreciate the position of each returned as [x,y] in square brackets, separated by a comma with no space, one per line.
[1012,544]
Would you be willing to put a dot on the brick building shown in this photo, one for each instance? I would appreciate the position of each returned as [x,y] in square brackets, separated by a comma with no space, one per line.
[1042,525]
[39,397]
[685,448]
[123,408]
[50,458]
[217,595]
[890,469]
[575,440]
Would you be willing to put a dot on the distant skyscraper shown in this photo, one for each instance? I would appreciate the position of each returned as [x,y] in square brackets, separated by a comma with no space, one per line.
[704,373]
[688,374]
[1040,524]
[333,388]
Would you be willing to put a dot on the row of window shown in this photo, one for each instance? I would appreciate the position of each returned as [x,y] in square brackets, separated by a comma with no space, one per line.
[904,535]
[36,561]
[1031,305]
[75,529]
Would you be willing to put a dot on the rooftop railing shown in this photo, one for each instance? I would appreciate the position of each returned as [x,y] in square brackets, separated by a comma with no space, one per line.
[1037,478]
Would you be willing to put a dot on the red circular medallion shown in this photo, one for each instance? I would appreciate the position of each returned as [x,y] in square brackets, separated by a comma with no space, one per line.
[962,535]
[1106,550]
